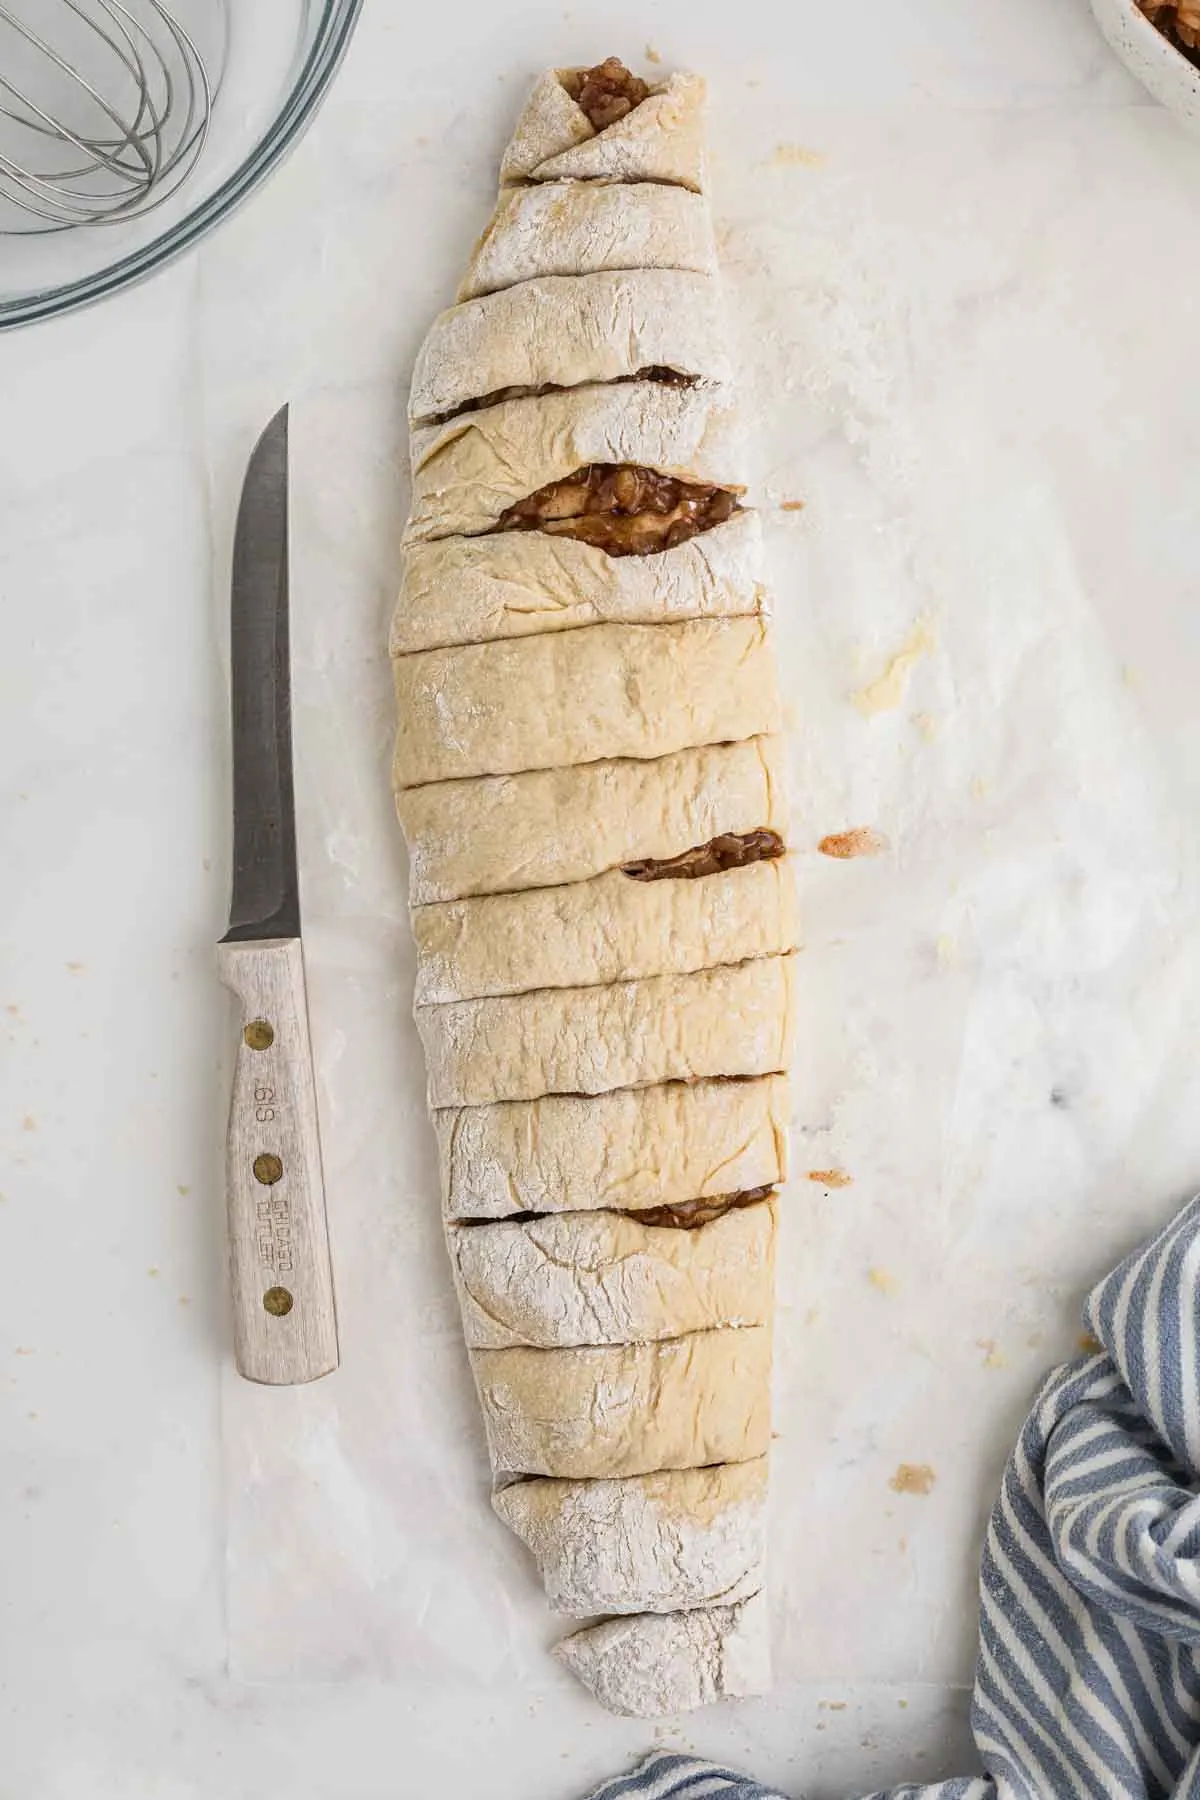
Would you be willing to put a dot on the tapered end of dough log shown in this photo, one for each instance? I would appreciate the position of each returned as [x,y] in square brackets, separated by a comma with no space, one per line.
[668,1542]
[660,140]
[654,1666]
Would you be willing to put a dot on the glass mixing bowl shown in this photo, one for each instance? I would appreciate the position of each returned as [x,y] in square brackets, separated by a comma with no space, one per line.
[267,68]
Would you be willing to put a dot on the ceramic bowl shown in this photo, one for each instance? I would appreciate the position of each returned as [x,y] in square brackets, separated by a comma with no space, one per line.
[1162,69]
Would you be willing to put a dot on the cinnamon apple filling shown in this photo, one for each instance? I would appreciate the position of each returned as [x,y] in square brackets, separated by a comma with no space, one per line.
[606,92]
[733,850]
[689,1215]
[622,508]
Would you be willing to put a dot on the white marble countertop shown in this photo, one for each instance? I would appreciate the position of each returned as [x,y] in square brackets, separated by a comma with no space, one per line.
[963,250]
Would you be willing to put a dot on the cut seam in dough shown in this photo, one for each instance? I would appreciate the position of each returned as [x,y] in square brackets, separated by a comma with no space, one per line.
[629,1149]
[544,827]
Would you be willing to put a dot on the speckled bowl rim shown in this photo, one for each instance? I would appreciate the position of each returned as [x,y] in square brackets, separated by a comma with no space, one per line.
[1162,69]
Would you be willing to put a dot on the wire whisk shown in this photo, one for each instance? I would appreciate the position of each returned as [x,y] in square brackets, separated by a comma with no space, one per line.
[104,111]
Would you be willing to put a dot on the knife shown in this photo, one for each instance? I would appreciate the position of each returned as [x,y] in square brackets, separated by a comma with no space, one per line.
[284,1318]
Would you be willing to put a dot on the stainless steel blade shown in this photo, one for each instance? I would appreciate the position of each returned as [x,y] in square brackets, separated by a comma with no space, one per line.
[266,892]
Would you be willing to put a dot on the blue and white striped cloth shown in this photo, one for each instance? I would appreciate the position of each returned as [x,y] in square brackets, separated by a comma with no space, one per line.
[1088,1680]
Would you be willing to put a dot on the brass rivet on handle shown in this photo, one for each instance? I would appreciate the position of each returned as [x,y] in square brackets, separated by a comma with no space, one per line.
[278,1302]
[258,1035]
[268,1169]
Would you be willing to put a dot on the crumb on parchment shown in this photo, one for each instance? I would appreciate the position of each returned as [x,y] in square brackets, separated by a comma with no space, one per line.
[888,689]
[861,841]
[794,156]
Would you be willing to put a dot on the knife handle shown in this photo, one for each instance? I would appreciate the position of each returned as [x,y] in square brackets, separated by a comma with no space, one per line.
[284,1319]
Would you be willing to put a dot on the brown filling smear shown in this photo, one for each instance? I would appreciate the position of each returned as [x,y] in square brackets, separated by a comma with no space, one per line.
[731,851]
[654,372]
[685,1215]
[607,92]
[622,508]
[689,1215]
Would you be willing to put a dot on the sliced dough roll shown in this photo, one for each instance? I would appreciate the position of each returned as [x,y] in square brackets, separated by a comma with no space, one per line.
[609,929]
[581,228]
[605,1278]
[627,1409]
[660,140]
[567,330]
[661,1543]
[468,471]
[654,1666]
[734,1021]
[582,696]
[469,590]
[636,1148]
[544,827]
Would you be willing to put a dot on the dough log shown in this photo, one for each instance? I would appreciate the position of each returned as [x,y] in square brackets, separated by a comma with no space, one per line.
[589,777]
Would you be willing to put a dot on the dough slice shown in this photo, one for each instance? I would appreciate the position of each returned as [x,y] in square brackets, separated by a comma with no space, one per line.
[581,696]
[469,590]
[580,228]
[660,140]
[654,1666]
[461,590]
[496,834]
[627,1409]
[606,1278]
[467,472]
[632,1149]
[735,1021]
[566,330]
[681,1538]
[611,928]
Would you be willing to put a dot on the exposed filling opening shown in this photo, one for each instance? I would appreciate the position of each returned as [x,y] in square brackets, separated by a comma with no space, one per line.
[683,1215]
[655,372]
[689,1215]
[733,850]
[606,92]
[622,508]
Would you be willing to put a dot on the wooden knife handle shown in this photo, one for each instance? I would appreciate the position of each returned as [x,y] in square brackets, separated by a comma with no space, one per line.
[284,1319]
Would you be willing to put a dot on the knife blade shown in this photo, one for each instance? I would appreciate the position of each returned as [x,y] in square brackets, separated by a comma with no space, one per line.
[284,1314]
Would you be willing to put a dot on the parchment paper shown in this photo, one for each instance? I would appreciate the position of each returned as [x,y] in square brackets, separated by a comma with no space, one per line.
[955,333]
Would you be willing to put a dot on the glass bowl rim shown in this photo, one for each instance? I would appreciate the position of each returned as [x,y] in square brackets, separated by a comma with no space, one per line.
[330,43]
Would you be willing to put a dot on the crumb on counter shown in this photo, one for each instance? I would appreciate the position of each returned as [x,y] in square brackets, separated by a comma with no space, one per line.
[831,1178]
[913,1478]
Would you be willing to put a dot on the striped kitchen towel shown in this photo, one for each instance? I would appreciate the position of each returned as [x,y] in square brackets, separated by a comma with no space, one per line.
[1088,1678]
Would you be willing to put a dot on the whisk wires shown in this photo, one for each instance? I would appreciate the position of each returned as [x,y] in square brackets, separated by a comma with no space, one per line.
[106,145]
